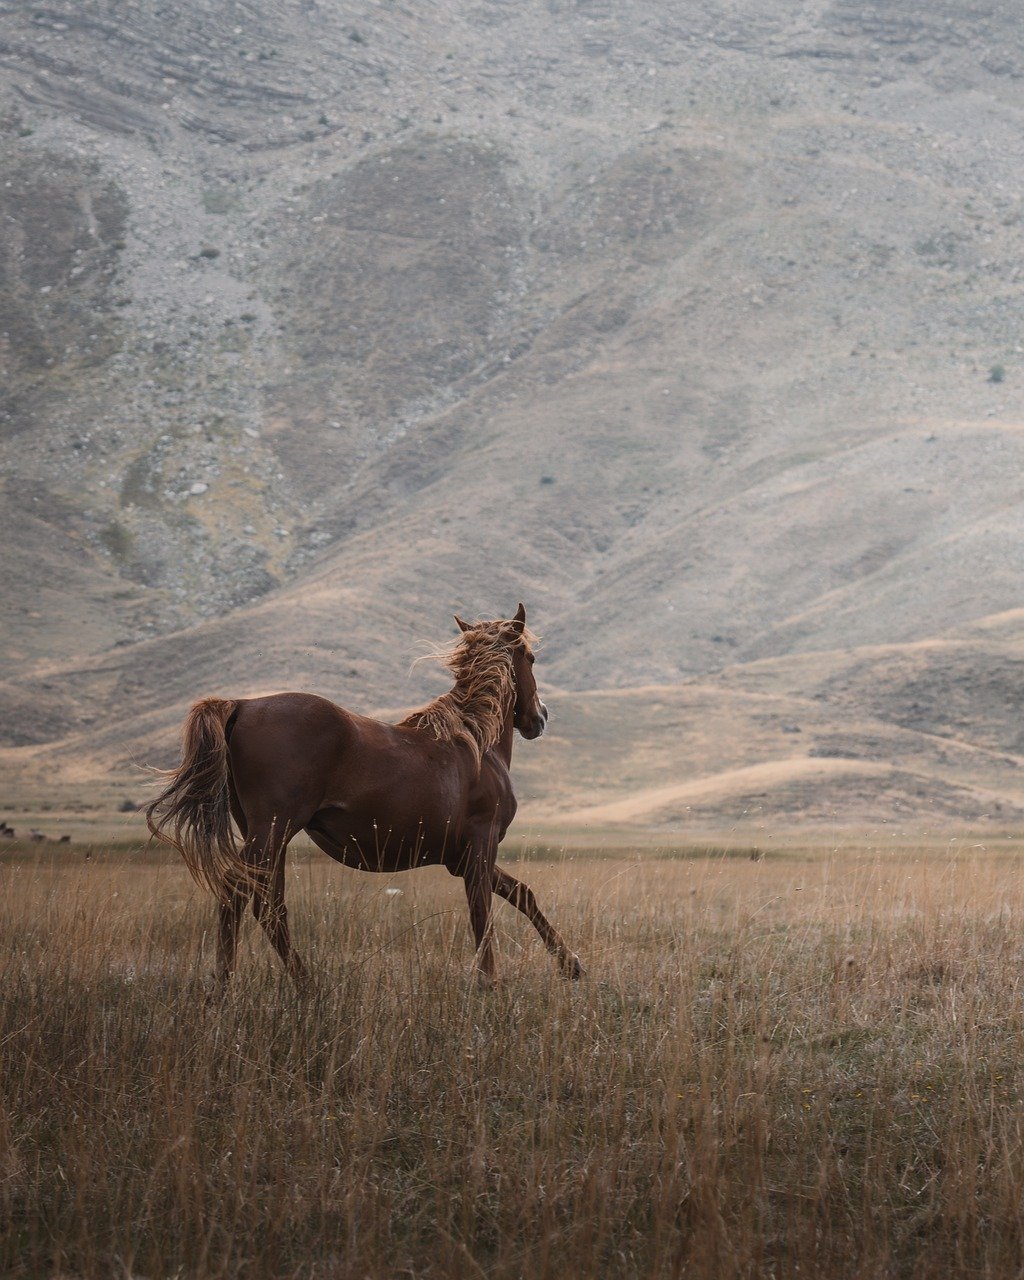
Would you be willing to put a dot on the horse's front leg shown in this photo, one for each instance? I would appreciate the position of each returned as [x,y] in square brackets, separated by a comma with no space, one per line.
[479,879]
[521,897]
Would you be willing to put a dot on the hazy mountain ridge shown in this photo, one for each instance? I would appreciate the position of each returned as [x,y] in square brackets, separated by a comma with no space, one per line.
[322,322]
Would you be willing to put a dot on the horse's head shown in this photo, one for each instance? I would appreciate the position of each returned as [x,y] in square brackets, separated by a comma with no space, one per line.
[530,715]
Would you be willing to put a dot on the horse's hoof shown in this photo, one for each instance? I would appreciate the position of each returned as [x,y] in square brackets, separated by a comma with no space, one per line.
[571,968]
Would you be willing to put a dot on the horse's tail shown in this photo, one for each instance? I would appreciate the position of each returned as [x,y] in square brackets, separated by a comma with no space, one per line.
[193,812]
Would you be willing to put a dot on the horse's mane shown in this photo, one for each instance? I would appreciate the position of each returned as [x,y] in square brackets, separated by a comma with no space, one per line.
[473,710]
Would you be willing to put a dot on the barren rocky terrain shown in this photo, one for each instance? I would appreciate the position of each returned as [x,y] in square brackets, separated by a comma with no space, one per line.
[698,327]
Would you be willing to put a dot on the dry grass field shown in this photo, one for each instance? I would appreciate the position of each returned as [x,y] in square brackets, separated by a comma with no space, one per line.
[805,1065]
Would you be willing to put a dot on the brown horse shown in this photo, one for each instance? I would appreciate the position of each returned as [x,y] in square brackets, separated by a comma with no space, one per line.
[432,790]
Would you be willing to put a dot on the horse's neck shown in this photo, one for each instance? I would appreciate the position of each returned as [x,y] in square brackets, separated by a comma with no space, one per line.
[504,744]
[471,708]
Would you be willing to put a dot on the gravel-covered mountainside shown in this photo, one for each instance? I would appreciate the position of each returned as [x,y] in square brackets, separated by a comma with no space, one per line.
[698,327]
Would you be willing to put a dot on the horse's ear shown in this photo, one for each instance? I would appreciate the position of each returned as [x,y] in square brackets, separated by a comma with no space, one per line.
[463,626]
[519,621]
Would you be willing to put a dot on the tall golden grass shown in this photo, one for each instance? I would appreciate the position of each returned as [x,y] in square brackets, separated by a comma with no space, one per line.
[809,1065]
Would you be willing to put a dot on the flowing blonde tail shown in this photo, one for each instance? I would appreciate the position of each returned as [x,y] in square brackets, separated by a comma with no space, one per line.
[193,812]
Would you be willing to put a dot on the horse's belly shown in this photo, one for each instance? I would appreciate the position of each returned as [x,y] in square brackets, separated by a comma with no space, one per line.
[369,845]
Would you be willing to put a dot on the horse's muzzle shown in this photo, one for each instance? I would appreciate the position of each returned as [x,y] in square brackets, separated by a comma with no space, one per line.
[536,725]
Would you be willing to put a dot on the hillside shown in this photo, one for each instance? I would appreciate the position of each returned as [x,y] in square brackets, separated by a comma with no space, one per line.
[696,327]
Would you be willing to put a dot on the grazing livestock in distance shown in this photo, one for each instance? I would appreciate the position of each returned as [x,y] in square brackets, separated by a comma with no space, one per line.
[433,790]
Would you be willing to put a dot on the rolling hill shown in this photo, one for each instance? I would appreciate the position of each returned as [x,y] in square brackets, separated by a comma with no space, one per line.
[699,328]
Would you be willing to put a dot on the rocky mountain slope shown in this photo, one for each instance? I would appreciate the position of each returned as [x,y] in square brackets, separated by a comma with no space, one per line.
[697,327]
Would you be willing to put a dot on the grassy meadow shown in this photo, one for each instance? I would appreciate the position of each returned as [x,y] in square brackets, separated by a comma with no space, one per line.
[810,1064]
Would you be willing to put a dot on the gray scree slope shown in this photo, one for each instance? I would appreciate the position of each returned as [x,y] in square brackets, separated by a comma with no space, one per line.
[698,327]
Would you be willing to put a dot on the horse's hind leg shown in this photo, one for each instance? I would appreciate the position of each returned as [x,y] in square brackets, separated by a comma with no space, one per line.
[521,897]
[229,918]
[265,850]
[229,913]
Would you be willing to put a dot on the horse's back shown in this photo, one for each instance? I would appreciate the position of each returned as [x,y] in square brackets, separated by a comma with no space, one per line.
[297,756]
[304,746]
[275,718]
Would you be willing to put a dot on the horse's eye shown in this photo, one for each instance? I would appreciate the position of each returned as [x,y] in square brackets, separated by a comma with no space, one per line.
[531,659]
